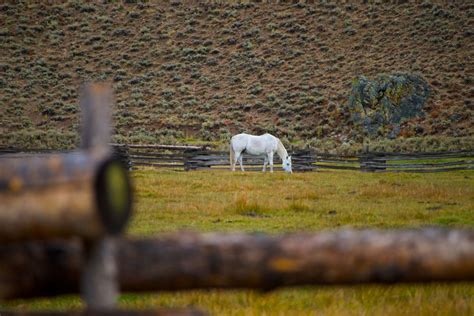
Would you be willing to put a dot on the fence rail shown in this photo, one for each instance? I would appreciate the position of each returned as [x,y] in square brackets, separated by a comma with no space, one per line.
[252,261]
[201,157]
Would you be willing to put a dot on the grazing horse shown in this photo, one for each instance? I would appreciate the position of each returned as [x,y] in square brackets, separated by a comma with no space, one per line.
[265,144]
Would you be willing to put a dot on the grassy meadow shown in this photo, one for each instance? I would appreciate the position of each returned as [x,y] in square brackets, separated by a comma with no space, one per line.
[168,200]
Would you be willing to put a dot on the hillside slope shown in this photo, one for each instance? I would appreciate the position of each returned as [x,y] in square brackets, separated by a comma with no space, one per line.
[188,70]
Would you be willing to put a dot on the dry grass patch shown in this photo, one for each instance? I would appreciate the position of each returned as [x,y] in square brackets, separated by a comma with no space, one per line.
[252,201]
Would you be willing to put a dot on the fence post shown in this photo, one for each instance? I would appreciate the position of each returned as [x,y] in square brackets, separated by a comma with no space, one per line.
[364,159]
[187,155]
[302,163]
[367,162]
[99,281]
[121,152]
[99,284]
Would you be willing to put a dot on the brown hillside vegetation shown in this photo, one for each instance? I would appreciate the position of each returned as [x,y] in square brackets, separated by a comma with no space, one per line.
[190,70]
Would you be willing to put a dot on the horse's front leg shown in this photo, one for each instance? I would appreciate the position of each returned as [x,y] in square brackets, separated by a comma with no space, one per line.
[241,164]
[270,159]
[265,162]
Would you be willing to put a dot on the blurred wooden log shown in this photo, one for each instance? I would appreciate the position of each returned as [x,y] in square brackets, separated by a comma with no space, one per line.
[50,196]
[187,261]
[114,312]
[201,261]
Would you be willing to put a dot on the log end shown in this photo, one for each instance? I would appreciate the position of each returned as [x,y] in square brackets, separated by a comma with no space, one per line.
[113,195]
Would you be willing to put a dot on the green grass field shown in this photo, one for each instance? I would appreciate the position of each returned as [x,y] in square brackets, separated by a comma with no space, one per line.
[223,201]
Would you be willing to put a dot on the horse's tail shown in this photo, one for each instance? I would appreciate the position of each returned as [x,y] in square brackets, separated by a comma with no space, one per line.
[231,155]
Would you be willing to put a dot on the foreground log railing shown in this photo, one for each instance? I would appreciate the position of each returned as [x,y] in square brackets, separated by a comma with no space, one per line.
[84,195]
[63,195]
[186,261]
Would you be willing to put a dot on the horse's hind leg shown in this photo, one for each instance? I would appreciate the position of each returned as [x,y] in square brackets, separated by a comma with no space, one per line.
[270,158]
[265,162]
[234,161]
[240,161]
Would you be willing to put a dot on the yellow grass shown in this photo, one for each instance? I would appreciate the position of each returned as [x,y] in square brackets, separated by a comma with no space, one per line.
[225,201]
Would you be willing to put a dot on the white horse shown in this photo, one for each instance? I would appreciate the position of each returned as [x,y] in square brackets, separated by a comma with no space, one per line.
[265,144]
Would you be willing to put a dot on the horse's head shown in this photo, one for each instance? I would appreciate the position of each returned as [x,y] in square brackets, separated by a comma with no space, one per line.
[287,164]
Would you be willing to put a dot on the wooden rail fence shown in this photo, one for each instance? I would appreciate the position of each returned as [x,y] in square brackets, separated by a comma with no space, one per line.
[203,157]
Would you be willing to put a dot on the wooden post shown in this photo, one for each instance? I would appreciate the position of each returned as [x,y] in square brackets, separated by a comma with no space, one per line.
[364,159]
[122,153]
[96,102]
[99,283]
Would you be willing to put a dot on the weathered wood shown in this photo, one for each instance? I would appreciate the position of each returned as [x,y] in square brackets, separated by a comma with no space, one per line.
[122,154]
[305,160]
[156,156]
[170,147]
[416,156]
[159,165]
[99,284]
[60,195]
[84,193]
[432,170]
[96,101]
[198,261]
[319,166]
[20,151]
[34,170]
[336,161]
[424,154]
[421,165]
[329,155]
[157,159]
[113,312]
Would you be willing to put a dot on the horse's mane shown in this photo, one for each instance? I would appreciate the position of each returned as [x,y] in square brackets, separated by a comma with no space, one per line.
[281,150]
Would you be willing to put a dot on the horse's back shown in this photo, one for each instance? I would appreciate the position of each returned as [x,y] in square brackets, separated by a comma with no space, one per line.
[240,136]
[269,137]
[246,136]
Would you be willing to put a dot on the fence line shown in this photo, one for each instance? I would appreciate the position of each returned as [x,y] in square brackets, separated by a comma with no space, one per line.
[201,157]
